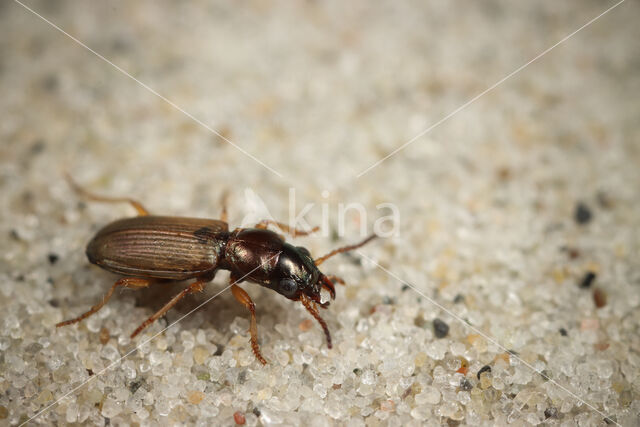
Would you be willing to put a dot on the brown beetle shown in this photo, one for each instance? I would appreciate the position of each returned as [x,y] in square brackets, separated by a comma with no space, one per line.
[149,248]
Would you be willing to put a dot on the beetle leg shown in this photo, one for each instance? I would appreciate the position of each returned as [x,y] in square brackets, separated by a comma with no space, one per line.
[197,286]
[127,282]
[95,197]
[284,227]
[224,215]
[243,298]
[311,308]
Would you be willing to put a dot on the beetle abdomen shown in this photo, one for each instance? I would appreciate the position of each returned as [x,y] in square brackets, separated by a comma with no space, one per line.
[159,246]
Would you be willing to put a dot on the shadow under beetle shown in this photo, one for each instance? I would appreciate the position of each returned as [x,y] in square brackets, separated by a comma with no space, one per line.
[148,248]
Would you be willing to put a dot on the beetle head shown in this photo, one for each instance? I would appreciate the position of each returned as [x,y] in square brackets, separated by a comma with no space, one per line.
[297,277]
[296,274]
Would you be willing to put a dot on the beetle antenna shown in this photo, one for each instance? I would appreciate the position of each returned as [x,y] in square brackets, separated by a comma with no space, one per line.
[344,249]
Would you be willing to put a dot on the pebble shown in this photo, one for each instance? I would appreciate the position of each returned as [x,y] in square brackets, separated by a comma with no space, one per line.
[465,385]
[589,324]
[429,394]
[195,397]
[305,325]
[551,412]
[104,336]
[239,418]
[599,298]
[111,408]
[485,368]
[440,328]
[200,355]
[387,405]
[582,213]
[587,280]
[421,413]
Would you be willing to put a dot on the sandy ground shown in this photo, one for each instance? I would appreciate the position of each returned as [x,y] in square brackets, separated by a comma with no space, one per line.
[509,295]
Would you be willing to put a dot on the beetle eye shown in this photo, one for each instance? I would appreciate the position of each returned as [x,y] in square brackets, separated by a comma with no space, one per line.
[288,287]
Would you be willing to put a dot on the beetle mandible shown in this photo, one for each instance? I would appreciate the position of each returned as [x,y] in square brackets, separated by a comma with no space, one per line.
[149,248]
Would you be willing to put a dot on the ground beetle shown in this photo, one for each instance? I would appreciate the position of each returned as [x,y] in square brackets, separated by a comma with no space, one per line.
[147,249]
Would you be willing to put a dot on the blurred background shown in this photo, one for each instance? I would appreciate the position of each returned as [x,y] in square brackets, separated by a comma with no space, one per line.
[505,203]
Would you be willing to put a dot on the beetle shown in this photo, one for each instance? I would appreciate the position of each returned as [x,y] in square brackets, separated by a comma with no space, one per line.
[147,249]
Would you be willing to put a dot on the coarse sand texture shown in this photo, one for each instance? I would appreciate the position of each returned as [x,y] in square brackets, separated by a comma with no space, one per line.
[504,291]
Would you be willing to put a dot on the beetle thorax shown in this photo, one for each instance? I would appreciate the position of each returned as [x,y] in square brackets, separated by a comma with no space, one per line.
[262,256]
